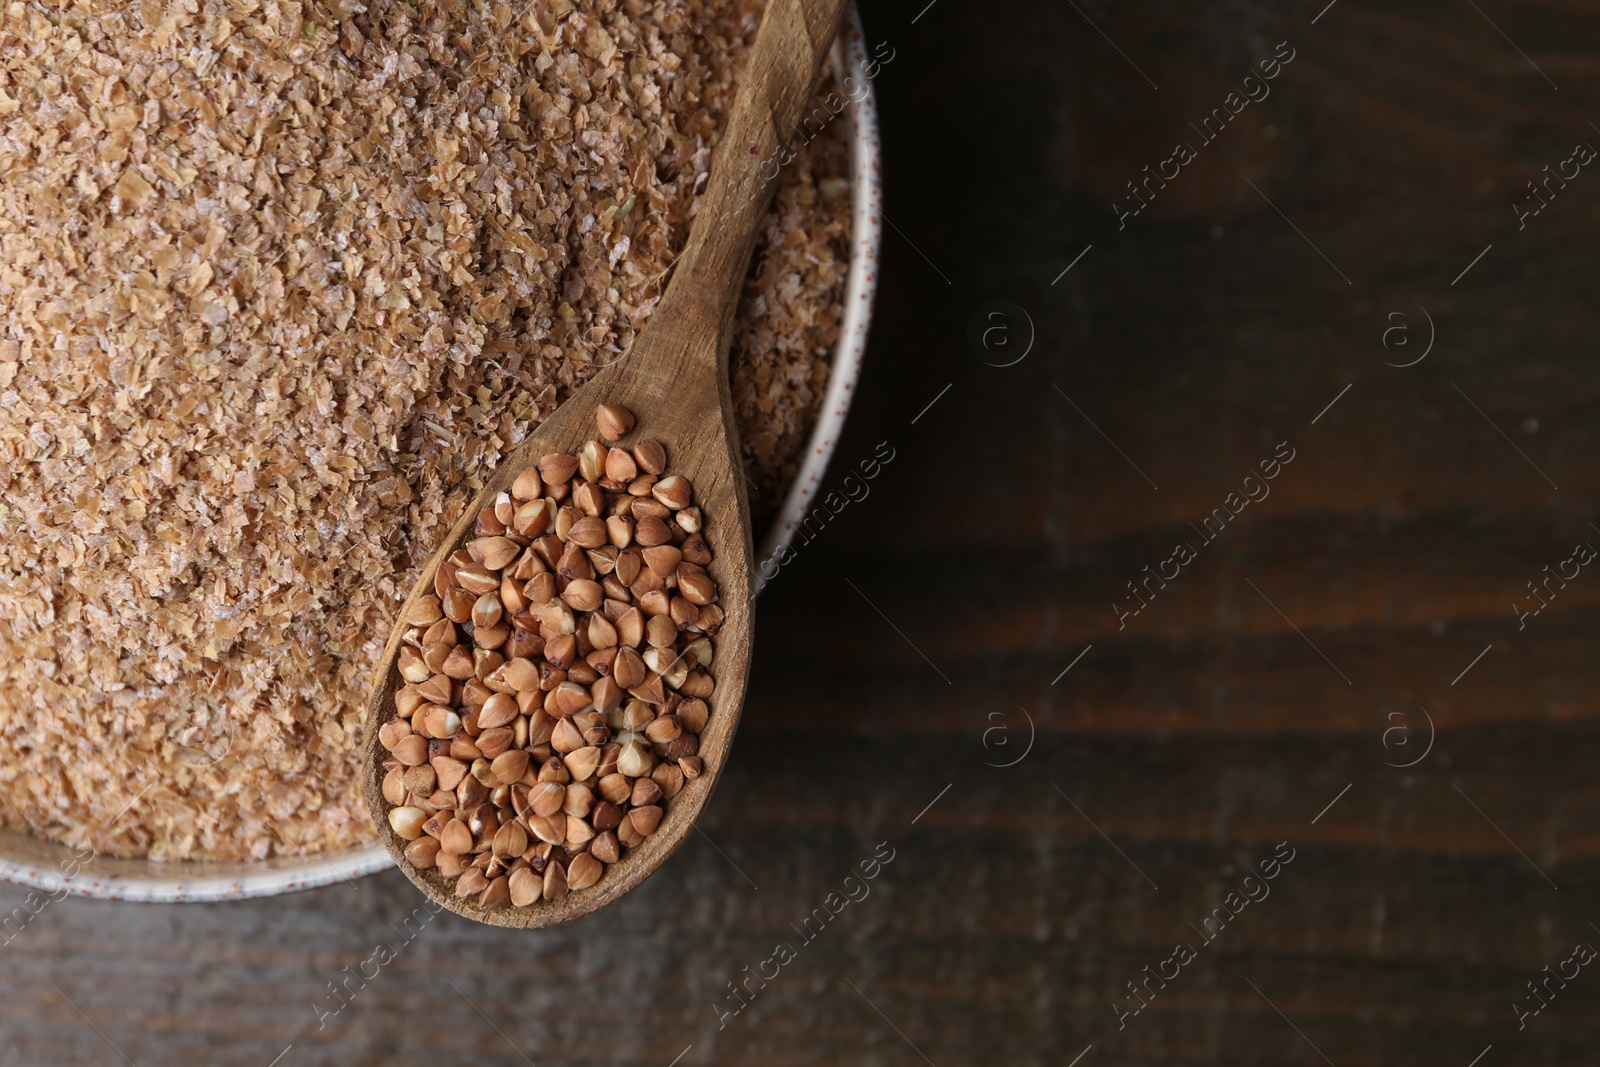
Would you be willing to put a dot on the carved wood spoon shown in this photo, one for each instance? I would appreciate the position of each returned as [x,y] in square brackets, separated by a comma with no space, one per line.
[674,379]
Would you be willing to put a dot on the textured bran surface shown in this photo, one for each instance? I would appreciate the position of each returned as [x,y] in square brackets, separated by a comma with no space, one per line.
[278,283]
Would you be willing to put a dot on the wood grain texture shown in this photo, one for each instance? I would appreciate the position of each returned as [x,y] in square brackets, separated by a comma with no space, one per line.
[674,379]
[1197,737]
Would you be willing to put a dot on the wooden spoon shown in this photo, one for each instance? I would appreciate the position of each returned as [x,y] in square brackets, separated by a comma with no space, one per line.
[674,379]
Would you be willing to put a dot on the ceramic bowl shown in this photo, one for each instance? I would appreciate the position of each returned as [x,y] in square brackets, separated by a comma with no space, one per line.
[56,869]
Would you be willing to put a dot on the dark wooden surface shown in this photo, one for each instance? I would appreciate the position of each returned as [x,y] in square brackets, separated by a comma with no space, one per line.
[1218,722]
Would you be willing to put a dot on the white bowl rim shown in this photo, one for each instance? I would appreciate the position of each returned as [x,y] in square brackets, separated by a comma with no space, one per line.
[54,869]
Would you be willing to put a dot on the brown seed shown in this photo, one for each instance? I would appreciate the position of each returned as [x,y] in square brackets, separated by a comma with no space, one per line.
[425,611]
[629,564]
[650,690]
[584,871]
[510,593]
[648,532]
[407,821]
[448,771]
[689,520]
[423,853]
[615,788]
[582,763]
[437,654]
[692,715]
[637,715]
[521,675]
[589,532]
[393,732]
[605,848]
[496,895]
[566,737]
[562,652]
[645,793]
[411,750]
[551,829]
[592,461]
[650,456]
[547,798]
[695,550]
[698,684]
[527,486]
[458,604]
[471,883]
[486,612]
[540,590]
[648,507]
[440,721]
[574,563]
[710,619]
[683,612]
[495,553]
[631,628]
[394,786]
[477,579]
[489,637]
[628,670]
[579,833]
[557,467]
[620,466]
[555,882]
[484,661]
[614,421]
[589,498]
[532,518]
[660,632]
[498,710]
[628,834]
[455,838]
[668,778]
[412,667]
[578,799]
[583,595]
[565,517]
[635,760]
[645,820]
[654,602]
[619,528]
[698,589]
[510,766]
[458,664]
[491,743]
[526,886]
[570,698]
[606,816]
[407,699]
[663,730]
[673,491]
[601,633]
[510,841]
[663,559]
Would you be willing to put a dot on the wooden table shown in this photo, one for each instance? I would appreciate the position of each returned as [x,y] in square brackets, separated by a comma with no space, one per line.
[1362,616]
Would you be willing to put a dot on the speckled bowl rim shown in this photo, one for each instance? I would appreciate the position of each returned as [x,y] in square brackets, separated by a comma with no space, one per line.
[55,870]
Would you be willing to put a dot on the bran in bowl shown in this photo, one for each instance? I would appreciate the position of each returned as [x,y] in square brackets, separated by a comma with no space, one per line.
[279,284]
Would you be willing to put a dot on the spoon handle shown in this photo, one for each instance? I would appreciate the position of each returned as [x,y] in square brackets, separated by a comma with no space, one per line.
[762,135]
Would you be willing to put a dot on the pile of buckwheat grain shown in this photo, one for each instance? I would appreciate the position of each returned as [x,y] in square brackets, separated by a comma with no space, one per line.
[556,679]
[279,284]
